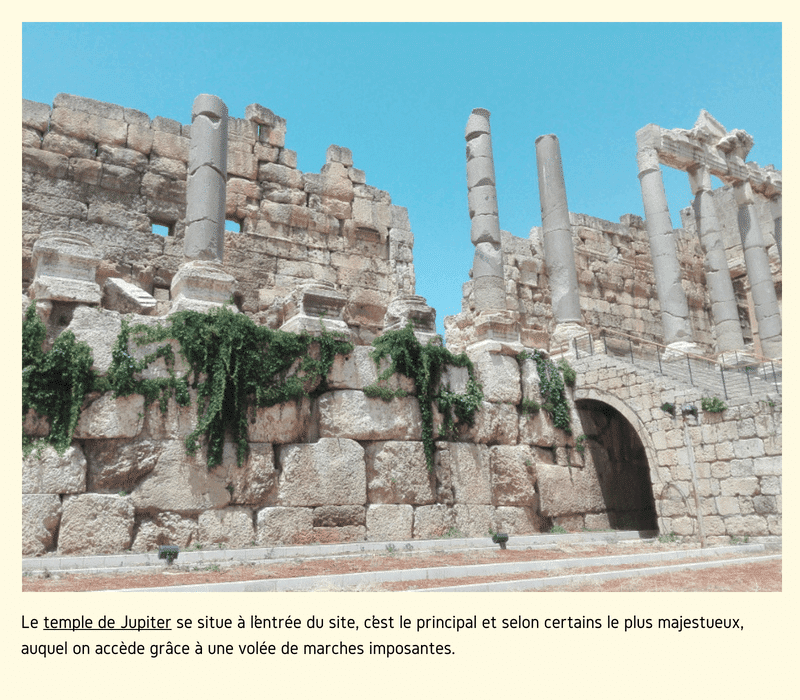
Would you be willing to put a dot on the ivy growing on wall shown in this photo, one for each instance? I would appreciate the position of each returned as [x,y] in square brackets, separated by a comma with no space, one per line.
[425,365]
[552,379]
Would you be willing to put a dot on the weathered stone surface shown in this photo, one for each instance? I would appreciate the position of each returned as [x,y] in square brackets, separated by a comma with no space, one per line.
[513,475]
[127,298]
[95,523]
[397,472]
[41,514]
[389,522]
[351,414]
[345,533]
[463,471]
[165,528]
[282,423]
[99,329]
[108,417]
[232,527]
[357,370]
[116,465]
[495,423]
[500,377]
[66,265]
[35,425]
[517,521]
[474,520]
[329,472]
[254,482]
[181,483]
[433,522]
[568,490]
[279,525]
[537,429]
[45,471]
[339,516]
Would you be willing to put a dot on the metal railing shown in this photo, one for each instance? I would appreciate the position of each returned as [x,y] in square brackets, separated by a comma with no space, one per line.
[736,375]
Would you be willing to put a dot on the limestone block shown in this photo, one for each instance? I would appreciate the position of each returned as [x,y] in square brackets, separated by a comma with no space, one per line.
[281,174]
[389,522]
[140,138]
[127,298]
[165,528]
[41,514]
[329,472]
[742,486]
[513,475]
[35,425]
[566,490]
[120,179]
[42,161]
[474,520]
[597,521]
[537,429]
[99,330]
[181,483]
[232,527]
[351,414]
[750,525]
[517,521]
[94,523]
[66,266]
[45,471]
[398,473]
[280,424]
[35,115]
[279,525]
[31,138]
[339,516]
[339,154]
[432,522]
[171,146]
[108,417]
[464,470]
[495,423]
[357,370]
[345,533]
[254,482]
[115,465]
[767,466]
[176,422]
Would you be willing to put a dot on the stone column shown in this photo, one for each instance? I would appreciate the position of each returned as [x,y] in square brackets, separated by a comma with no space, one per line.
[666,268]
[718,277]
[756,260]
[487,268]
[776,209]
[201,282]
[559,254]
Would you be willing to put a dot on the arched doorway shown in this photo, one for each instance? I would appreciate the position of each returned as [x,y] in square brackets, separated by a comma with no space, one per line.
[620,460]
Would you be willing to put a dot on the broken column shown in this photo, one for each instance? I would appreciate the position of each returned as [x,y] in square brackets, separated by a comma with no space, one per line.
[666,268]
[724,310]
[559,254]
[201,282]
[756,260]
[493,321]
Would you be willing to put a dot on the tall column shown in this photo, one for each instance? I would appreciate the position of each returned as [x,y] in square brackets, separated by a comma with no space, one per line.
[776,207]
[201,282]
[724,309]
[487,268]
[559,254]
[756,261]
[667,270]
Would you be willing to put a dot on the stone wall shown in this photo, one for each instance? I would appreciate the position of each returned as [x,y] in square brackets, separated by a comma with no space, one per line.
[110,173]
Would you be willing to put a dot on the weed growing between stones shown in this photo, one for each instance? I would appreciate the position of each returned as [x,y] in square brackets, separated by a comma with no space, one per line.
[425,365]
[234,364]
[54,383]
[713,405]
[552,386]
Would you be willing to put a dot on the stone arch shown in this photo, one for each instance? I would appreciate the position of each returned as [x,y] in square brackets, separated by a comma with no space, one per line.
[623,457]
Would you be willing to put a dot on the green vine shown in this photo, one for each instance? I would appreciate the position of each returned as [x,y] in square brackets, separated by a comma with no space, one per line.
[425,365]
[54,383]
[551,386]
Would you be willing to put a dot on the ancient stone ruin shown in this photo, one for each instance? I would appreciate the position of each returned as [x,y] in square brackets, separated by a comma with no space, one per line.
[615,375]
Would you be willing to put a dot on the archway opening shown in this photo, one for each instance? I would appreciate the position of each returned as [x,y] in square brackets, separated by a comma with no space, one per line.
[620,461]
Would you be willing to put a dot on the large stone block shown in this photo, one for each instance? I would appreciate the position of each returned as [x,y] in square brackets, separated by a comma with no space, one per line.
[513,475]
[108,417]
[463,471]
[567,490]
[389,522]
[397,472]
[329,472]
[181,483]
[517,521]
[537,429]
[357,370]
[339,516]
[46,471]
[495,423]
[282,423]
[41,514]
[165,528]
[474,520]
[279,525]
[119,464]
[99,330]
[253,483]
[351,414]
[432,522]
[232,527]
[94,523]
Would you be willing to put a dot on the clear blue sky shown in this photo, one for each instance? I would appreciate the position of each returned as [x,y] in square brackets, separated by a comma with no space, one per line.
[398,95]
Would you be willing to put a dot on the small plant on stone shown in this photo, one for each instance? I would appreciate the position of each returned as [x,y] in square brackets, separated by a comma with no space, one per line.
[453,533]
[567,372]
[558,530]
[580,444]
[668,408]
[713,405]
[668,539]
[739,540]
[528,407]
[391,549]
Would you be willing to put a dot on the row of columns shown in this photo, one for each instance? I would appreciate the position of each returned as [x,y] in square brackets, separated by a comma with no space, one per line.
[488,285]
